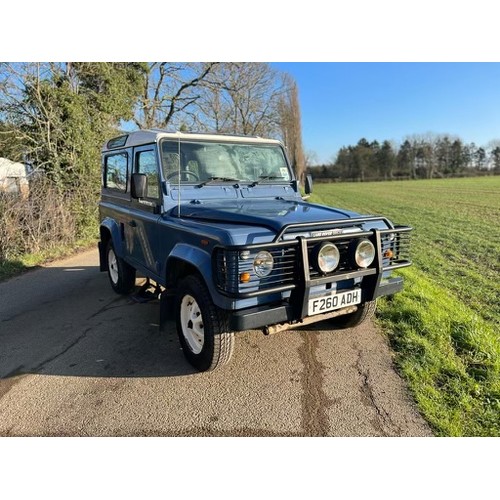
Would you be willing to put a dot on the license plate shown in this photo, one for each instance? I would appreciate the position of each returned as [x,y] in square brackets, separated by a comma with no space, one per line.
[331,302]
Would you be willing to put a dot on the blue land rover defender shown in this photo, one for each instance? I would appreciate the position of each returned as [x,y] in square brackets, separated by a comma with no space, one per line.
[218,223]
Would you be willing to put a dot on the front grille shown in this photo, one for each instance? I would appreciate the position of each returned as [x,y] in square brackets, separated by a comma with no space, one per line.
[231,263]
[398,242]
[230,266]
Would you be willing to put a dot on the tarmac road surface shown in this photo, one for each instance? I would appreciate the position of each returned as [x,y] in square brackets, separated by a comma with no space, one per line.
[78,360]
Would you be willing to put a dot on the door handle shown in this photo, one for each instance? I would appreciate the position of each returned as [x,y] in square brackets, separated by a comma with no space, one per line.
[132,223]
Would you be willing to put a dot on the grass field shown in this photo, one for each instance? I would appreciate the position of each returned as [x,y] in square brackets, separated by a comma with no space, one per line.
[445,325]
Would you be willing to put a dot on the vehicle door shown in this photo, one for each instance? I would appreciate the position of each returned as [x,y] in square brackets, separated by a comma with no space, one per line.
[115,194]
[145,212]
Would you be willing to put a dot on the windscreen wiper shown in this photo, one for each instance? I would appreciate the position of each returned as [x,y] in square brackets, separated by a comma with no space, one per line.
[213,180]
[263,178]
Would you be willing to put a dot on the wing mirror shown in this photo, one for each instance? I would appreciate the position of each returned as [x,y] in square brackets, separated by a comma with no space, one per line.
[308,187]
[139,186]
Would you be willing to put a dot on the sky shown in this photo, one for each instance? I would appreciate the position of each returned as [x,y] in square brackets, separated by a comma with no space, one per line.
[342,102]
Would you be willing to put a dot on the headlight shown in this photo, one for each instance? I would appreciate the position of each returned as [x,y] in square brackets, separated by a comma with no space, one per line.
[327,257]
[263,264]
[365,253]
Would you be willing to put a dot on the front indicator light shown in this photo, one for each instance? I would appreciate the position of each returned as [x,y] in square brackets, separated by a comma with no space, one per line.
[388,254]
[364,254]
[244,277]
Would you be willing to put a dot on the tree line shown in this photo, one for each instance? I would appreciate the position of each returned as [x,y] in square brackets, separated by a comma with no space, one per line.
[57,116]
[418,157]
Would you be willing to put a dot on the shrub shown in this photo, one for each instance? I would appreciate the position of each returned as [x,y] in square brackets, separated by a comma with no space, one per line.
[37,222]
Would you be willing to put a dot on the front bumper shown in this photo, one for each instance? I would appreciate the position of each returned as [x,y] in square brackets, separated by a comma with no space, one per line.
[285,312]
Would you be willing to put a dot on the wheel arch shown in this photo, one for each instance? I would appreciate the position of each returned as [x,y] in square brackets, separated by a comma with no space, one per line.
[109,230]
[186,259]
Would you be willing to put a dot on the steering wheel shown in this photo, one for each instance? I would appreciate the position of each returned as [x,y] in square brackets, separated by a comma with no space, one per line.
[181,172]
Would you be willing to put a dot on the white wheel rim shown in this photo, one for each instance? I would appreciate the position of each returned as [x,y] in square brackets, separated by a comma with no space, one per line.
[192,324]
[113,266]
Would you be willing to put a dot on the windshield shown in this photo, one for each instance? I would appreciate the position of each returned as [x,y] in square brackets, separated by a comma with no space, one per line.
[202,162]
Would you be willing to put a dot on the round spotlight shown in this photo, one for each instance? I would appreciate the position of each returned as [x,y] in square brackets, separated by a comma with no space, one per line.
[327,257]
[364,254]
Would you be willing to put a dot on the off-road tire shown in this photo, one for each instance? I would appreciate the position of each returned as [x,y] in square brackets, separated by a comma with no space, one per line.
[121,275]
[206,342]
[364,313]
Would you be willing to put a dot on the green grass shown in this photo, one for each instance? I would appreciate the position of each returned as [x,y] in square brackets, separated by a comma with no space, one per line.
[445,325]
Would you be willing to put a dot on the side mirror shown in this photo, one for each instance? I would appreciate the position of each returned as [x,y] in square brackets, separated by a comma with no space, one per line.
[139,186]
[308,188]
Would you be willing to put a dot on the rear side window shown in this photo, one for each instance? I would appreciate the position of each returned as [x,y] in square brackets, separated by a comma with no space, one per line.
[116,172]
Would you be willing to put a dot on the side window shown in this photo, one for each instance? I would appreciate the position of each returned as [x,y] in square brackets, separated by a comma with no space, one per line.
[146,164]
[116,172]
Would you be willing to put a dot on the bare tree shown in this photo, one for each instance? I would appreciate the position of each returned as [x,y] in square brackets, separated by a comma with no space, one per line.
[170,91]
[231,97]
[241,98]
[291,128]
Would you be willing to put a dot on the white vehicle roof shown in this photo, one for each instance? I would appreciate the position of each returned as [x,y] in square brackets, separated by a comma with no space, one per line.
[150,136]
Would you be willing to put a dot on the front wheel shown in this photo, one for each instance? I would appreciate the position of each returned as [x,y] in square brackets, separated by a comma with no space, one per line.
[364,313]
[202,327]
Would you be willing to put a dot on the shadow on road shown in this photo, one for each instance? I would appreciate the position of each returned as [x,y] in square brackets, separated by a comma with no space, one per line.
[67,321]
